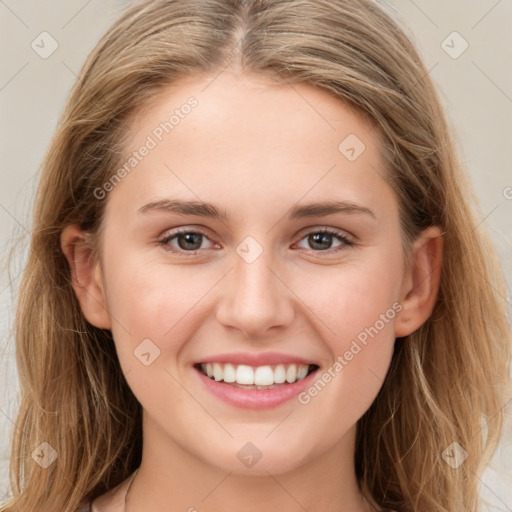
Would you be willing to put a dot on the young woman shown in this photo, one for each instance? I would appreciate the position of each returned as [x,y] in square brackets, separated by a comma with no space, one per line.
[254,278]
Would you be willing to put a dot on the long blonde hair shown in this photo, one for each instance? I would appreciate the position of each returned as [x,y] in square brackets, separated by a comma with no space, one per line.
[448,381]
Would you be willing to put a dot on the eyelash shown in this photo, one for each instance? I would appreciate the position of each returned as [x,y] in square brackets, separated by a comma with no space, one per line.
[346,242]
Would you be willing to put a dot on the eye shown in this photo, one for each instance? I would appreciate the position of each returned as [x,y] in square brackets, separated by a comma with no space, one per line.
[190,241]
[187,241]
[321,240]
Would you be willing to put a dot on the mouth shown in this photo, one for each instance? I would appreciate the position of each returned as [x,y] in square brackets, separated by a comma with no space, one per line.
[256,377]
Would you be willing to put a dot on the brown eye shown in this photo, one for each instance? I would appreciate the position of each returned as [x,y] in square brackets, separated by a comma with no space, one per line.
[185,241]
[322,240]
[189,241]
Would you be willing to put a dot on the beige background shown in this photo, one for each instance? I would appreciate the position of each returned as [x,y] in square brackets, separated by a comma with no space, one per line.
[476,89]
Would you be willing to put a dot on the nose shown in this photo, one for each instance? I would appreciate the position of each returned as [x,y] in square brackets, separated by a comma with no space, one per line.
[256,299]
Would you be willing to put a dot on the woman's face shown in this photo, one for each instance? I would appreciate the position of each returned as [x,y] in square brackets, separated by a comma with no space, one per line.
[256,287]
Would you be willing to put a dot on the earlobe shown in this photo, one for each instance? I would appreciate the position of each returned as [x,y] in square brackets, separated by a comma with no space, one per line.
[421,282]
[86,277]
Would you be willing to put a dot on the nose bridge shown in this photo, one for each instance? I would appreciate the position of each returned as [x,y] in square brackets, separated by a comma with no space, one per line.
[256,299]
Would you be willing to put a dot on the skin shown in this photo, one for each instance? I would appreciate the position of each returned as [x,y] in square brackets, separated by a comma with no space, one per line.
[255,149]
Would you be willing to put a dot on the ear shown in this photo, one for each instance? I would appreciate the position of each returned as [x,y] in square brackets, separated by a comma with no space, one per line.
[86,276]
[421,282]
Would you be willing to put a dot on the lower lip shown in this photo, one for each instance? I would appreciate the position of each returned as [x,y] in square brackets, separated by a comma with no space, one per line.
[255,398]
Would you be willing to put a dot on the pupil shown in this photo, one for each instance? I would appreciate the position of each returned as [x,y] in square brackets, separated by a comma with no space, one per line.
[318,238]
[189,239]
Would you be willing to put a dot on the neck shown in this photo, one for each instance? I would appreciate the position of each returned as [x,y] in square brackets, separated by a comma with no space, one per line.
[171,478]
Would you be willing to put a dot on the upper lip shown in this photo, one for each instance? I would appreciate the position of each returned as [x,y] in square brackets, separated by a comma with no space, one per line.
[252,359]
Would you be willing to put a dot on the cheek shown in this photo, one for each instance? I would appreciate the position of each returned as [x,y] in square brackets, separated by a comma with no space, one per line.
[149,298]
[355,312]
[151,306]
[156,309]
[351,298]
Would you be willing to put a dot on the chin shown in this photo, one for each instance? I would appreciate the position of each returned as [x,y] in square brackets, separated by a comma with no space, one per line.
[260,458]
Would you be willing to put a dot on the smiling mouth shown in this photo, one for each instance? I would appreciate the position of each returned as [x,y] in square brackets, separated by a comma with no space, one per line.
[260,377]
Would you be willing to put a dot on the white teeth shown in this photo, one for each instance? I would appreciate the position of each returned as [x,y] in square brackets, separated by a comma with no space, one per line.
[291,374]
[244,374]
[302,371]
[229,373]
[260,377]
[263,376]
[280,374]
[218,374]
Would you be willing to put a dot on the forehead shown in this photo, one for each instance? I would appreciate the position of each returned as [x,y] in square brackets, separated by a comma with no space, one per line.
[230,137]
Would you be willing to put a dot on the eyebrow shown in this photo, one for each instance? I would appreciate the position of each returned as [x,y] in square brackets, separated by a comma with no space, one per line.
[209,210]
